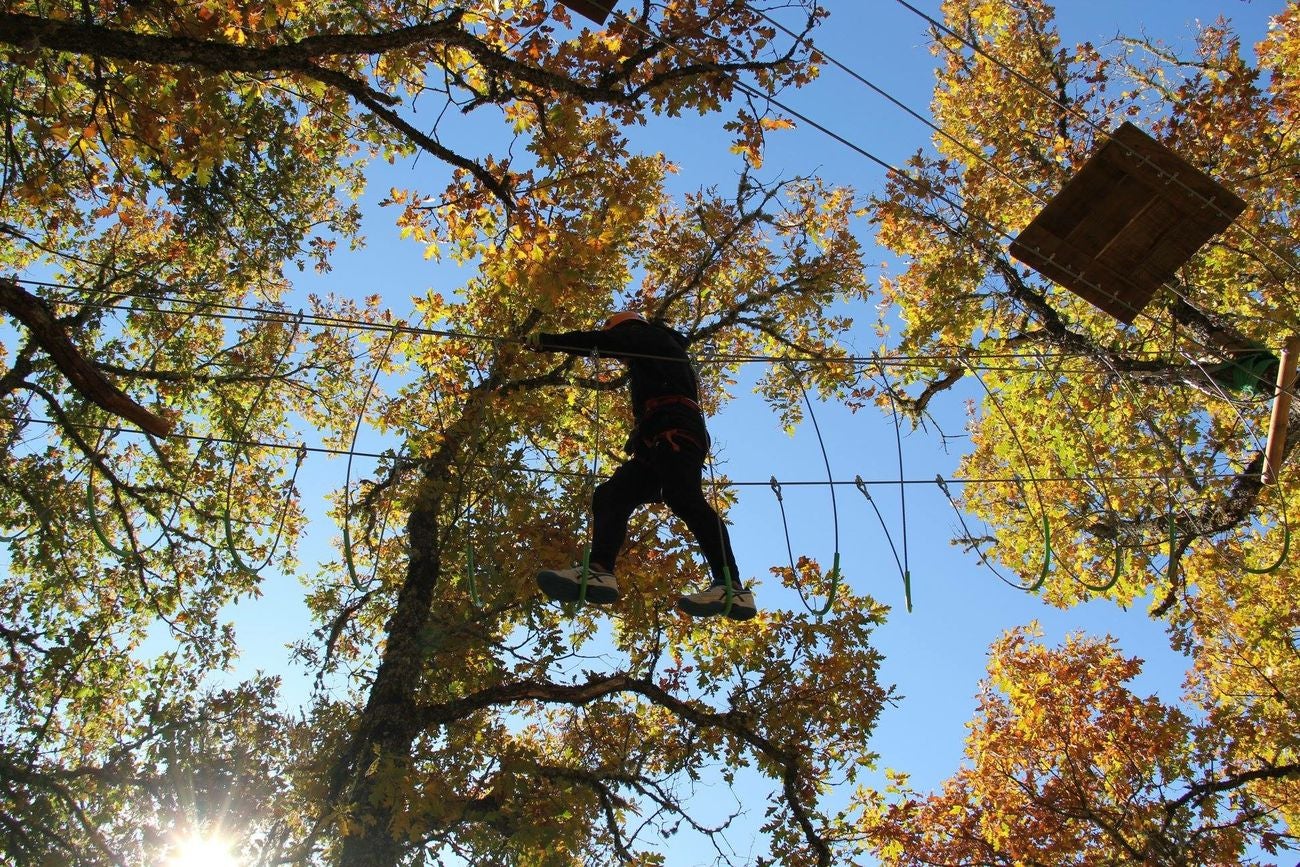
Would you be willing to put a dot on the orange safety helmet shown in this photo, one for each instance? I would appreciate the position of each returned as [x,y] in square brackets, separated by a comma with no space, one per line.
[619,318]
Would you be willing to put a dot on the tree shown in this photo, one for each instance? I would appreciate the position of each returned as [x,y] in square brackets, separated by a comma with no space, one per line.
[1066,765]
[162,164]
[1132,469]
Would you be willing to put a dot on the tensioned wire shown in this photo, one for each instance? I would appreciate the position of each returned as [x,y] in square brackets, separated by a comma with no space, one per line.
[1094,126]
[586,473]
[244,313]
[754,93]
[747,89]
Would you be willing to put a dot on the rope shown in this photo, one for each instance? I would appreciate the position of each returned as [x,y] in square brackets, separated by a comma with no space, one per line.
[1098,129]
[1286,547]
[555,473]
[234,465]
[348,559]
[1106,492]
[258,314]
[905,566]
[898,103]
[902,570]
[835,508]
[595,469]
[780,501]
[974,543]
[1042,507]
[92,514]
[835,512]
[926,189]
[722,536]
[723,539]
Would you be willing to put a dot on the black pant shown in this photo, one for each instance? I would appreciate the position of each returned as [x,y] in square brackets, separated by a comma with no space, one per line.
[660,473]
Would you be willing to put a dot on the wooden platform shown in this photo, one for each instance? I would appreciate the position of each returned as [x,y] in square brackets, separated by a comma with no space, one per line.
[596,10]
[1123,225]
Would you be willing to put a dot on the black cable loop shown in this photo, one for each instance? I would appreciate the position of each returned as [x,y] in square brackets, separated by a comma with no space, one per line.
[1105,489]
[974,543]
[835,512]
[889,537]
[905,566]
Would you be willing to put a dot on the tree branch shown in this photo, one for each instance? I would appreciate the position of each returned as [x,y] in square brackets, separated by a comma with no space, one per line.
[599,687]
[1200,791]
[36,315]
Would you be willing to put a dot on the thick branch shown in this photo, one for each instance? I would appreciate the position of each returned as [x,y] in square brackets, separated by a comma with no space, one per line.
[78,37]
[32,312]
[1203,790]
[600,687]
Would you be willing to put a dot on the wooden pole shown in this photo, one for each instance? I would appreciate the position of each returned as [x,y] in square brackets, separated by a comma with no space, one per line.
[1277,424]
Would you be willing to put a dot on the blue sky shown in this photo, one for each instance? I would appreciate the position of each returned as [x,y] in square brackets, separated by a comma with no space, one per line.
[936,654]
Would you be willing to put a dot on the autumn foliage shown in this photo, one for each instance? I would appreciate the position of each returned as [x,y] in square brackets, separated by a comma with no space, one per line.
[169,168]
[1132,462]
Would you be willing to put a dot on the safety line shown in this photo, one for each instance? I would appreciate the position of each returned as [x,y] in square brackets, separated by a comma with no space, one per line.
[835,511]
[968,480]
[270,315]
[754,93]
[1097,128]
[1106,489]
[969,538]
[595,474]
[880,91]
[905,565]
[253,409]
[900,360]
[925,189]
[1038,491]
[348,558]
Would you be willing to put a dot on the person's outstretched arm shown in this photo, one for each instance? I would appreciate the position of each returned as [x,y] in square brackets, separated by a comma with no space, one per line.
[615,343]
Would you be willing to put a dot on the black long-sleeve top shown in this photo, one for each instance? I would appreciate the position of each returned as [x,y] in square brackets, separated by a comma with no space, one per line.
[659,371]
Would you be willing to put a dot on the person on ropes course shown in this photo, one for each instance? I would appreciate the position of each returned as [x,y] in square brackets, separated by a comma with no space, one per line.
[668,448]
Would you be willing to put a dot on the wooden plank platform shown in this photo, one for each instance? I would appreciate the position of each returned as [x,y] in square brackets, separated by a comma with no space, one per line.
[1125,223]
[596,10]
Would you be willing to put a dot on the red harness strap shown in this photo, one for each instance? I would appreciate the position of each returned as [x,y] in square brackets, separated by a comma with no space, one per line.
[671,436]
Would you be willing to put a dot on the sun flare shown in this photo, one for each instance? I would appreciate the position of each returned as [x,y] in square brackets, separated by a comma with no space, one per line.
[198,850]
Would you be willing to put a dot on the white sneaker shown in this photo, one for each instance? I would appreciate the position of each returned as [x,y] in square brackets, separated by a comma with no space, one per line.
[713,601]
[565,585]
